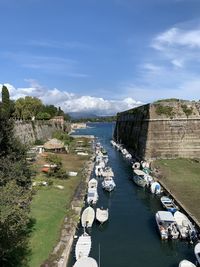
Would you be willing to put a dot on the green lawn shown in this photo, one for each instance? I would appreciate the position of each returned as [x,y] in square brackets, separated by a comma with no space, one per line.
[49,208]
[182,177]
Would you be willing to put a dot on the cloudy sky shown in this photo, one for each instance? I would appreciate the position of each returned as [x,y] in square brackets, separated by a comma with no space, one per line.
[100,56]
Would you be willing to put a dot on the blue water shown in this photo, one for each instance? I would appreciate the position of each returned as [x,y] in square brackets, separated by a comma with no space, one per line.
[130,238]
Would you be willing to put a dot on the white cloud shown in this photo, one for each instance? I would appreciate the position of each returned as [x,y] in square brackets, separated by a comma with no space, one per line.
[177,37]
[152,68]
[177,63]
[70,102]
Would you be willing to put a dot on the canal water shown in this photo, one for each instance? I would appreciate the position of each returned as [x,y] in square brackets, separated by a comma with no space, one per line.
[130,238]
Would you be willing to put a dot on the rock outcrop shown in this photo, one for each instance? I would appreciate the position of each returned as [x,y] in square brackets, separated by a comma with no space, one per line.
[164,129]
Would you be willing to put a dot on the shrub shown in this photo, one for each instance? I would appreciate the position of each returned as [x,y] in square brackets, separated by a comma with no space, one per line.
[164,110]
[187,110]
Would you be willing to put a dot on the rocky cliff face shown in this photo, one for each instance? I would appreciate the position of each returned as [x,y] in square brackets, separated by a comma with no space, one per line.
[165,129]
[29,132]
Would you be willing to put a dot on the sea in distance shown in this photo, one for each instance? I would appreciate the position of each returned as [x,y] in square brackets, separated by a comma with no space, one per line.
[130,237]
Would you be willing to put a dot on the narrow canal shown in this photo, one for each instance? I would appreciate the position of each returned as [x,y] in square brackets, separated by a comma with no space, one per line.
[130,238]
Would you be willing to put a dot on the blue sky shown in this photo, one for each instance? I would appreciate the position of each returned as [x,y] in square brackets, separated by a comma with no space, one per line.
[102,56]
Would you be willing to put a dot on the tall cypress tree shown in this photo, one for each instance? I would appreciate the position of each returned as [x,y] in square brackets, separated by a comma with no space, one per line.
[5,102]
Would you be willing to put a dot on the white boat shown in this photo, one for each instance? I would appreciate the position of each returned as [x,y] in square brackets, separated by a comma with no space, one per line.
[108,172]
[168,204]
[93,183]
[92,196]
[136,165]
[108,184]
[166,225]
[156,188]
[86,262]
[83,246]
[186,263]
[139,177]
[98,171]
[197,252]
[72,173]
[101,215]
[184,225]
[87,217]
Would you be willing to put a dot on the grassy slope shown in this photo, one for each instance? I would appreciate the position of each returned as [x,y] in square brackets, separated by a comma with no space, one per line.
[49,208]
[182,177]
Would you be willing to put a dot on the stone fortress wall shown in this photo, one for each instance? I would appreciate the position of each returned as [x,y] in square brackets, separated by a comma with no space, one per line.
[164,129]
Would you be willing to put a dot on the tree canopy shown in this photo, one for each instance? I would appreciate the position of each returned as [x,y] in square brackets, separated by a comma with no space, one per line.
[15,191]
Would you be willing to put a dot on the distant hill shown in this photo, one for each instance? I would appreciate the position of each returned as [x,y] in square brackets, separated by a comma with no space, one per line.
[91,118]
[81,115]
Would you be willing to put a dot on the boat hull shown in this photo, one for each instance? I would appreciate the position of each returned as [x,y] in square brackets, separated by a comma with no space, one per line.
[83,246]
[87,217]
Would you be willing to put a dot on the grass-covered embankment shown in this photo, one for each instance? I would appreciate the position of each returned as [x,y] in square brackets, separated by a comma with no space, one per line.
[182,177]
[50,205]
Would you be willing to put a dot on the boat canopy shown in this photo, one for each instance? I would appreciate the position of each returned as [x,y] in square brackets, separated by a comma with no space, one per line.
[166,216]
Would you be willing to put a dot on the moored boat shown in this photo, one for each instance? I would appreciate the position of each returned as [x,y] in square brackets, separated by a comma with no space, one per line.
[168,204]
[156,188]
[86,262]
[184,225]
[102,215]
[93,183]
[108,172]
[87,217]
[83,246]
[92,196]
[139,177]
[197,252]
[166,225]
[108,184]
[186,263]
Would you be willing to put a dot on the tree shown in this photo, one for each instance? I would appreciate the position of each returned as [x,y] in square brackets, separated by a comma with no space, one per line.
[15,196]
[5,102]
[43,116]
[26,108]
[14,210]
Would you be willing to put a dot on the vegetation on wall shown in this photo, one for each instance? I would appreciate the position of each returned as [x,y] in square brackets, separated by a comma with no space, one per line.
[164,110]
[187,110]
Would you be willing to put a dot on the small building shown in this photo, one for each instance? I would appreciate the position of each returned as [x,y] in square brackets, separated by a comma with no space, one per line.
[54,145]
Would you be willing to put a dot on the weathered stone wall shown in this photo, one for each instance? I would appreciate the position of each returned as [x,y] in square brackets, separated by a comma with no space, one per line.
[29,132]
[153,132]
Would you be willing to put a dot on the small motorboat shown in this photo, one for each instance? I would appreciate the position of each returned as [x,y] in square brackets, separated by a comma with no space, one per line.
[139,177]
[102,215]
[108,172]
[186,263]
[86,262]
[98,170]
[108,184]
[168,204]
[156,188]
[87,217]
[93,183]
[92,196]
[197,252]
[166,225]
[184,225]
[136,166]
[83,246]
